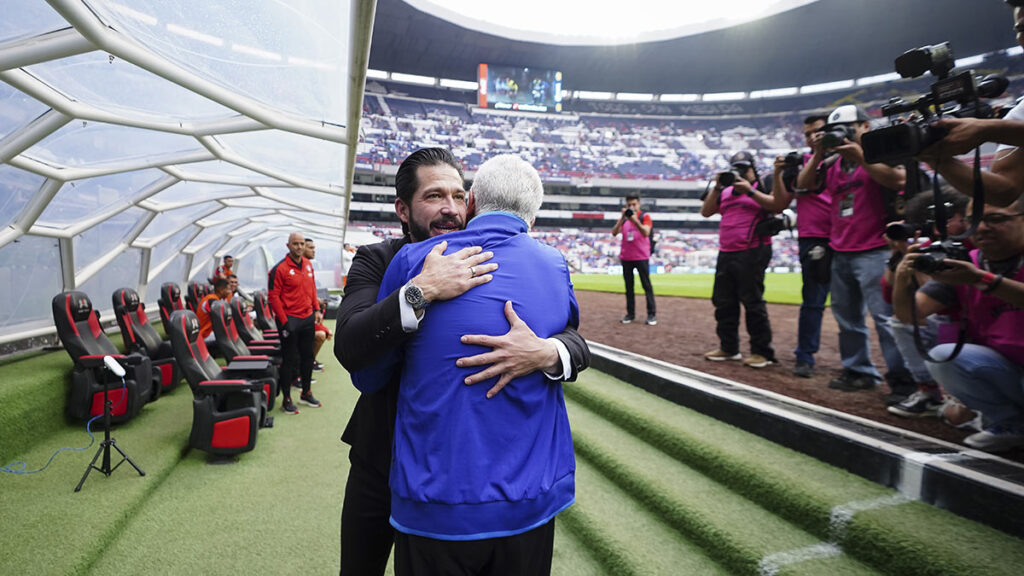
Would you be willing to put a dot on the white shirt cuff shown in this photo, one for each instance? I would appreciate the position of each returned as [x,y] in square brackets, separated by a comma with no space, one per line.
[410,323]
[563,356]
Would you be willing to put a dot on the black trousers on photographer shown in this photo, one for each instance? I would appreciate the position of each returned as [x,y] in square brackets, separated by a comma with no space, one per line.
[739,279]
[644,269]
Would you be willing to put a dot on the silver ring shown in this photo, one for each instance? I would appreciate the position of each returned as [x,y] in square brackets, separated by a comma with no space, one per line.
[472,272]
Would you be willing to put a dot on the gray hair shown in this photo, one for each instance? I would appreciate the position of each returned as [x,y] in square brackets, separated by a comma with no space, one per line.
[510,184]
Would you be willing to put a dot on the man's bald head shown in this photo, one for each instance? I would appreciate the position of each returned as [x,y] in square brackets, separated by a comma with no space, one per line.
[296,245]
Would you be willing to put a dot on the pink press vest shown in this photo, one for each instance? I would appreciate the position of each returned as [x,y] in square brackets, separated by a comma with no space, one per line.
[635,246]
[813,214]
[736,230]
[993,322]
[858,210]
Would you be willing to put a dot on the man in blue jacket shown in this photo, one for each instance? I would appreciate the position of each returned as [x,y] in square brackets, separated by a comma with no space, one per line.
[477,478]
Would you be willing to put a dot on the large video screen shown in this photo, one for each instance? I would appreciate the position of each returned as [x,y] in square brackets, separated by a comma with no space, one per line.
[514,88]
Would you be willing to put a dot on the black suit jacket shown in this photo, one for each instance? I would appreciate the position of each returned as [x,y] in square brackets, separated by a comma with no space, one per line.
[366,329]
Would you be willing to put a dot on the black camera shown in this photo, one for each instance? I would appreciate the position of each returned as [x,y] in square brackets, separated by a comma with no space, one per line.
[726,179]
[794,162]
[628,213]
[933,258]
[901,231]
[962,92]
[772,225]
[836,135]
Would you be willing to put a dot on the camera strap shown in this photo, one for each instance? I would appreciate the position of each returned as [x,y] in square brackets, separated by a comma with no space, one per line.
[961,337]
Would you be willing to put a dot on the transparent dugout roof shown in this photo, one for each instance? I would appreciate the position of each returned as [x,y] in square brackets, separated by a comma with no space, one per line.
[165,117]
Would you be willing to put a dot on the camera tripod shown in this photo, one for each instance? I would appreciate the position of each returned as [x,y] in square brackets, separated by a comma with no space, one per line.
[107,443]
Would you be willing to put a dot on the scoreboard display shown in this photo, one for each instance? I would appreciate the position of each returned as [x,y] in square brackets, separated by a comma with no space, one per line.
[514,88]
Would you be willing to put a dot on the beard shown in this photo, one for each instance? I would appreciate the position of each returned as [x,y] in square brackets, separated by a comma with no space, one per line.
[441,225]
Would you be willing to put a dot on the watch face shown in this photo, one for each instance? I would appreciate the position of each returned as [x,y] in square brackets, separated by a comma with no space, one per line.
[414,296]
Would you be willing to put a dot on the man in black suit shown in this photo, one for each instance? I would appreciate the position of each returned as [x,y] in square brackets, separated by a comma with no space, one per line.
[431,201]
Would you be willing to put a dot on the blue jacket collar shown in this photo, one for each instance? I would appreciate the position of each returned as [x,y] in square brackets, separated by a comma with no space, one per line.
[500,218]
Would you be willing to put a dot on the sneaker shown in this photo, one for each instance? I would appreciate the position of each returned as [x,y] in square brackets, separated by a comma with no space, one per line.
[721,355]
[917,405]
[998,438]
[318,367]
[954,413]
[309,399]
[853,382]
[758,361]
[652,320]
[803,370]
[289,407]
[627,318]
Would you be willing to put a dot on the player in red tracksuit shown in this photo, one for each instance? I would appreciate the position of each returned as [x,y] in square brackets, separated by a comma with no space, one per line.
[291,293]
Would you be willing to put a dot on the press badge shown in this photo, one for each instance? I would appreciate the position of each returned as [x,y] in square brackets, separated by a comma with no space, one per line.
[846,206]
[629,237]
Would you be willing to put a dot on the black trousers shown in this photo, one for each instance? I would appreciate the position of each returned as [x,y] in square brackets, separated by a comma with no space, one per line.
[739,278]
[528,553]
[297,353]
[643,268]
[366,534]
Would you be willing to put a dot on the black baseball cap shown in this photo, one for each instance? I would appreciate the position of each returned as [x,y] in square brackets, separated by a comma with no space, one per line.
[744,158]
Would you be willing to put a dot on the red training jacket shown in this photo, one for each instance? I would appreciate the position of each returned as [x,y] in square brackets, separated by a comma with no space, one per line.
[291,290]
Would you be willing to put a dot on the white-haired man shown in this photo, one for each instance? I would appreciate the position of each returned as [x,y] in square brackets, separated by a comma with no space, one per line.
[477,479]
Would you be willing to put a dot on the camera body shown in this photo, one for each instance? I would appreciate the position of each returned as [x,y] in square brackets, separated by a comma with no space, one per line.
[628,213]
[934,256]
[728,178]
[959,95]
[836,135]
[794,162]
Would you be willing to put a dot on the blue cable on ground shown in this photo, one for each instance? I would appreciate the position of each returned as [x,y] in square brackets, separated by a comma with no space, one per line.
[19,467]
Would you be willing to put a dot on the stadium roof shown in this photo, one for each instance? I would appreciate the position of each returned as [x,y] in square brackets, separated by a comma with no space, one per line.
[814,43]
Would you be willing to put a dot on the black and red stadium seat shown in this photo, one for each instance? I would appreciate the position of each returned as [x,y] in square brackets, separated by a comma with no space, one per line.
[79,329]
[169,301]
[264,315]
[247,330]
[140,336]
[237,353]
[227,408]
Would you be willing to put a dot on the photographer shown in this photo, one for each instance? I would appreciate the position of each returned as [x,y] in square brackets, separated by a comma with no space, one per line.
[743,256]
[927,401]
[859,249]
[1004,182]
[635,254]
[813,222]
[988,292]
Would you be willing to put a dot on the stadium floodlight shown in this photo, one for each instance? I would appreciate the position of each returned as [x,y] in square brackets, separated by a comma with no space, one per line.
[774,92]
[722,96]
[878,79]
[459,84]
[413,79]
[634,97]
[376,74]
[826,86]
[679,98]
[969,61]
[588,95]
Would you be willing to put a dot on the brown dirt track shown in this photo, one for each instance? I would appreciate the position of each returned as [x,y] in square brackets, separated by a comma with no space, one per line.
[686,330]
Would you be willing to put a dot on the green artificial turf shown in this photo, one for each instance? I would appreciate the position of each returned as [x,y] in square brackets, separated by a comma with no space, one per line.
[779,288]
[660,490]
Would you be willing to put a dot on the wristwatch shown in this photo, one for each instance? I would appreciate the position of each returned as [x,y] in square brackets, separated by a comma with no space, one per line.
[414,297]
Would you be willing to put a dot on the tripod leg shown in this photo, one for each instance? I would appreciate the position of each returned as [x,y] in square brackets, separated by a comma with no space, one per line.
[89,469]
[125,456]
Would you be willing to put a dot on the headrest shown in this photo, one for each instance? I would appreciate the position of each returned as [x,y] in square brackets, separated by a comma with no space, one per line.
[222,307]
[170,291]
[77,304]
[127,299]
[186,320]
[195,290]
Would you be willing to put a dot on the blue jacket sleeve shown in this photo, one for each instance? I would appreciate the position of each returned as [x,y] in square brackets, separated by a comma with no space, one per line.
[376,375]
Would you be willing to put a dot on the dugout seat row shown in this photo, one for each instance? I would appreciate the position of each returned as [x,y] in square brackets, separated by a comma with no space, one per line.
[79,330]
[229,405]
[169,301]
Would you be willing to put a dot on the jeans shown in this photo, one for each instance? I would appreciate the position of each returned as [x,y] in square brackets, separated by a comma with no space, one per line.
[643,268]
[815,273]
[984,380]
[904,336]
[856,289]
[739,278]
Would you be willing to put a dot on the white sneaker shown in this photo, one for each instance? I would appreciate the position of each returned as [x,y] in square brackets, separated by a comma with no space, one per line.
[998,438]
